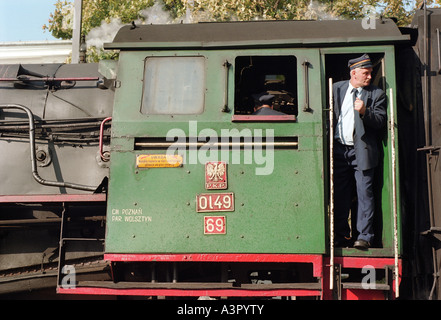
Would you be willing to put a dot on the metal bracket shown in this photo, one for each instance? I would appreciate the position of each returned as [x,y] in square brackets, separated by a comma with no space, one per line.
[43,155]
[429,148]
[337,282]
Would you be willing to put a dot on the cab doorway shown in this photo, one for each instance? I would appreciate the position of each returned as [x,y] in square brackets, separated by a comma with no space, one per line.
[336,67]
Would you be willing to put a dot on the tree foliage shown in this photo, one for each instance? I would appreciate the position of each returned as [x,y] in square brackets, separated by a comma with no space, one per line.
[95,12]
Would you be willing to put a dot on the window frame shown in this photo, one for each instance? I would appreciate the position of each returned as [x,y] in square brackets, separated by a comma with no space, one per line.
[267,118]
[146,110]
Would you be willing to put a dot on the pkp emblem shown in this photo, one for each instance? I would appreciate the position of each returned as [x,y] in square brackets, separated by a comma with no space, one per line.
[216,175]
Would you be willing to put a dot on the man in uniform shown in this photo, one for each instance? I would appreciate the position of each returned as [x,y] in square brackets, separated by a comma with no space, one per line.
[359,113]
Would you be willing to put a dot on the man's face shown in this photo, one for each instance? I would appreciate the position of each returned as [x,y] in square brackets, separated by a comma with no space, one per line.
[361,77]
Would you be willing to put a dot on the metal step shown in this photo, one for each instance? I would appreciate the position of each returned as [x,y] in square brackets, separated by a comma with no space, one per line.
[361,286]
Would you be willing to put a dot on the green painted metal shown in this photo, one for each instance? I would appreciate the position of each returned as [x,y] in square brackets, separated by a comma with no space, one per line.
[154,210]
[282,212]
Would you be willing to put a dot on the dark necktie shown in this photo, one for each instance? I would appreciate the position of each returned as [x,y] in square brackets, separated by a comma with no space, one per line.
[358,123]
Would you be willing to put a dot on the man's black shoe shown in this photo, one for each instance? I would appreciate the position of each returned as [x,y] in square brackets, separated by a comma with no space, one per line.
[361,244]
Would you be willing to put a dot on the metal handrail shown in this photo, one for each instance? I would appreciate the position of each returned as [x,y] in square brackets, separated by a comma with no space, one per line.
[331,178]
[103,157]
[33,157]
[394,193]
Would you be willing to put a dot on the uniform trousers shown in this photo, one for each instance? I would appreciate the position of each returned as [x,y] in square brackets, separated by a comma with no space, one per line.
[347,179]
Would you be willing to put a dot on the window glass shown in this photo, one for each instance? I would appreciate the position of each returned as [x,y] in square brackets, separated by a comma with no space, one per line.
[274,75]
[174,85]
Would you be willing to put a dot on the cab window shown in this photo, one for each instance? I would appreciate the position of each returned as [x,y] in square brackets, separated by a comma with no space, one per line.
[173,85]
[276,75]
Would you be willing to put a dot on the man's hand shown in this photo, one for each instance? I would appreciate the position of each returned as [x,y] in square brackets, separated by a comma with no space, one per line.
[359,106]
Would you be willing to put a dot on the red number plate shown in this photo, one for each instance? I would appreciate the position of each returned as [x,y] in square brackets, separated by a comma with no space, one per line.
[214,225]
[214,202]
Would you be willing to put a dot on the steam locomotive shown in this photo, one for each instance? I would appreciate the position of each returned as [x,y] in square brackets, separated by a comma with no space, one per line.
[149,176]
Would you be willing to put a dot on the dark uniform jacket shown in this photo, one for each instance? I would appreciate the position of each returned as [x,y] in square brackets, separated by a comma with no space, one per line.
[374,119]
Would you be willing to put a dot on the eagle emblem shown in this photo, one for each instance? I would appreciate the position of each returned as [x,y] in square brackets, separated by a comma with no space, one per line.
[216,175]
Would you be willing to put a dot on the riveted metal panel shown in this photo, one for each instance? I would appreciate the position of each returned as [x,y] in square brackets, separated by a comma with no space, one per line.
[278,194]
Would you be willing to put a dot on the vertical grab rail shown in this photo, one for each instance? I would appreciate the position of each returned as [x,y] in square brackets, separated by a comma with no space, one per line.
[227,66]
[331,185]
[394,193]
[306,64]
[439,50]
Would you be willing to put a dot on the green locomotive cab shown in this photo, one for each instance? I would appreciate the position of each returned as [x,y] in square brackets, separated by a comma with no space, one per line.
[196,177]
[268,163]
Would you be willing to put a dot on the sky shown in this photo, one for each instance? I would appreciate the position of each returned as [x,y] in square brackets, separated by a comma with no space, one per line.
[22,20]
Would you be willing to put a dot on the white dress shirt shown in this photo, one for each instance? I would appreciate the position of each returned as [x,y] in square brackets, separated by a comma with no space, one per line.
[344,132]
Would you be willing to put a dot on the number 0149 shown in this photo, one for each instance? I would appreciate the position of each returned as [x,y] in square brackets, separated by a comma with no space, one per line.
[212,202]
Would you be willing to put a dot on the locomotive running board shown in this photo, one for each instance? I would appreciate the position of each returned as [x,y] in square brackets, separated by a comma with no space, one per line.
[227,289]
[218,289]
[193,289]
